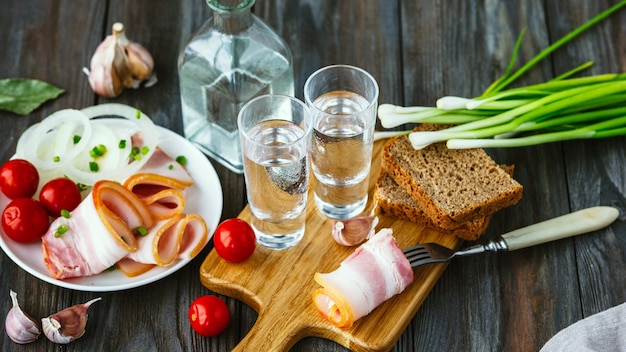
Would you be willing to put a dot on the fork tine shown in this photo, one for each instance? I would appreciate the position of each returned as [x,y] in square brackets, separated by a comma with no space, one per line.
[417,255]
[426,254]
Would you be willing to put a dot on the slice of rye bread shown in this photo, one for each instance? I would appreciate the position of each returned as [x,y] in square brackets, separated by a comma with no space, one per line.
[452,186]
[392,201]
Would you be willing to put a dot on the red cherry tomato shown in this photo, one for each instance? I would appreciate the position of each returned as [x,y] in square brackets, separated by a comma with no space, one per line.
[19,179]
[209,315]
[234,240]
[25,220]
[58,194]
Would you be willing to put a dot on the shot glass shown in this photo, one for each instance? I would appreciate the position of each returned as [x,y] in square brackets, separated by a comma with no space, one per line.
[343,101]
[275,132]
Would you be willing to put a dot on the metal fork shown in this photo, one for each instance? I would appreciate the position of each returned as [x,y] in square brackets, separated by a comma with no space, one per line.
[572,224]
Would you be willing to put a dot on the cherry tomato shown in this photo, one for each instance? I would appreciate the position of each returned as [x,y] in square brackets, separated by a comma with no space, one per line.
[25,220]
[209,315]
[234,240]
[58,194]
[19,179]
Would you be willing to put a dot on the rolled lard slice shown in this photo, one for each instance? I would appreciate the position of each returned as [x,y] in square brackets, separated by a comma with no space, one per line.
[373,273]
[160,172]
[98,233]
[165,203]
[177,237]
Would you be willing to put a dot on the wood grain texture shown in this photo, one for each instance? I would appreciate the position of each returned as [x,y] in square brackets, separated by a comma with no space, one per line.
[418,50]
[279,284]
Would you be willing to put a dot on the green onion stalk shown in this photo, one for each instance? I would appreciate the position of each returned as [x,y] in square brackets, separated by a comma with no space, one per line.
[563,108]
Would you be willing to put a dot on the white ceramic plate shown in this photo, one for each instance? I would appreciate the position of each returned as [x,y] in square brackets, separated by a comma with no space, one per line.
[204,198]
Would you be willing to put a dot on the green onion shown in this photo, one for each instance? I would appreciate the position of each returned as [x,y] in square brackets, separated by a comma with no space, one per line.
[145,150]
[134,153]
[76,139]
[98,151]
[81,186]
[61,230]
[170,167]
[56,158]
[65,213]
[93,166]
[138,114]
[560,109]
[182,160]
[142,231]
[122,144]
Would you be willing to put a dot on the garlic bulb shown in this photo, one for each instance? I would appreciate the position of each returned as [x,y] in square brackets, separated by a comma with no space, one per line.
[68,324]
[119,63]
[354,231]
[20,327]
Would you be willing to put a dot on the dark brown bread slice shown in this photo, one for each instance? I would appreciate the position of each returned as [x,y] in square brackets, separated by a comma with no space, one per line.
[392,201]
[452,186]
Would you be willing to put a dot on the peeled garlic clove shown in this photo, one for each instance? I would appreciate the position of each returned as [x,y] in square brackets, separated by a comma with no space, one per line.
[20,327]
[68,324]
[354,231]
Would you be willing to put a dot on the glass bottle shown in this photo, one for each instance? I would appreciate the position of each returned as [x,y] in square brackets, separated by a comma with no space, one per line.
[231,59]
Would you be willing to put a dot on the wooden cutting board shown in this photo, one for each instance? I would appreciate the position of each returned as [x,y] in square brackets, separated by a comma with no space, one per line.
[279,285]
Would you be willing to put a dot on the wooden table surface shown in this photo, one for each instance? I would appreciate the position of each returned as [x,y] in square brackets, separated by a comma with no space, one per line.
[418,50]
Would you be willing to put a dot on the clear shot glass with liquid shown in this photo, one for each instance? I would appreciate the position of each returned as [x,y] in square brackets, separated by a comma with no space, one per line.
[343,101]
[275,135]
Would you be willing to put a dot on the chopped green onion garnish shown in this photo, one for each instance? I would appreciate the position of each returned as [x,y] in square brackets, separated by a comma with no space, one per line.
[122,144]
[144,150]
[56,159]
[142,231]
[81,186]
[98,150]
[170,166]
[138,114]
[76,139]
[61,230]
[93,166]
[181,159]
[111,268]
[65,213]
[134,153]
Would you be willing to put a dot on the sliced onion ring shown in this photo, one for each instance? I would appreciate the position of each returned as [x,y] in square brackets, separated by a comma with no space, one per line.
[31,140]
[148,133]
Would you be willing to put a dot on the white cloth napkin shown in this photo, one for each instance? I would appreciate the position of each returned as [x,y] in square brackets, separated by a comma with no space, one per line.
[603,331]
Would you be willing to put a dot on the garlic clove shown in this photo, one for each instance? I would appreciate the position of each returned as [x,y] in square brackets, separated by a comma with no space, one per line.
[354,231]
[103,77]
[20,327]
[119,63]
[67,325]
[141,62]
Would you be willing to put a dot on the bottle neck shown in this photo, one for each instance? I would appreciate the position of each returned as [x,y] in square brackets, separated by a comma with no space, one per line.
[231,16]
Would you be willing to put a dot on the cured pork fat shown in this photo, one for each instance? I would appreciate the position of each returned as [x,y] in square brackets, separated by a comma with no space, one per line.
[98,233]
[373,273]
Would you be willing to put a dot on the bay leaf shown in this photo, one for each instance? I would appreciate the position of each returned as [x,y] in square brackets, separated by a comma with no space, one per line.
[22,95]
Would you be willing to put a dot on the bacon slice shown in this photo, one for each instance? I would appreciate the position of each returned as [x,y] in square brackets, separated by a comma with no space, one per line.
[100,231]
[165,203]
[160,172]
[177,237]
[373,273]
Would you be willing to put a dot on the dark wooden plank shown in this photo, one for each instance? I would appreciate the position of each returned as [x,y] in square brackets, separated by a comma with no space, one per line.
[418,51]
[462,55]
[595,168]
